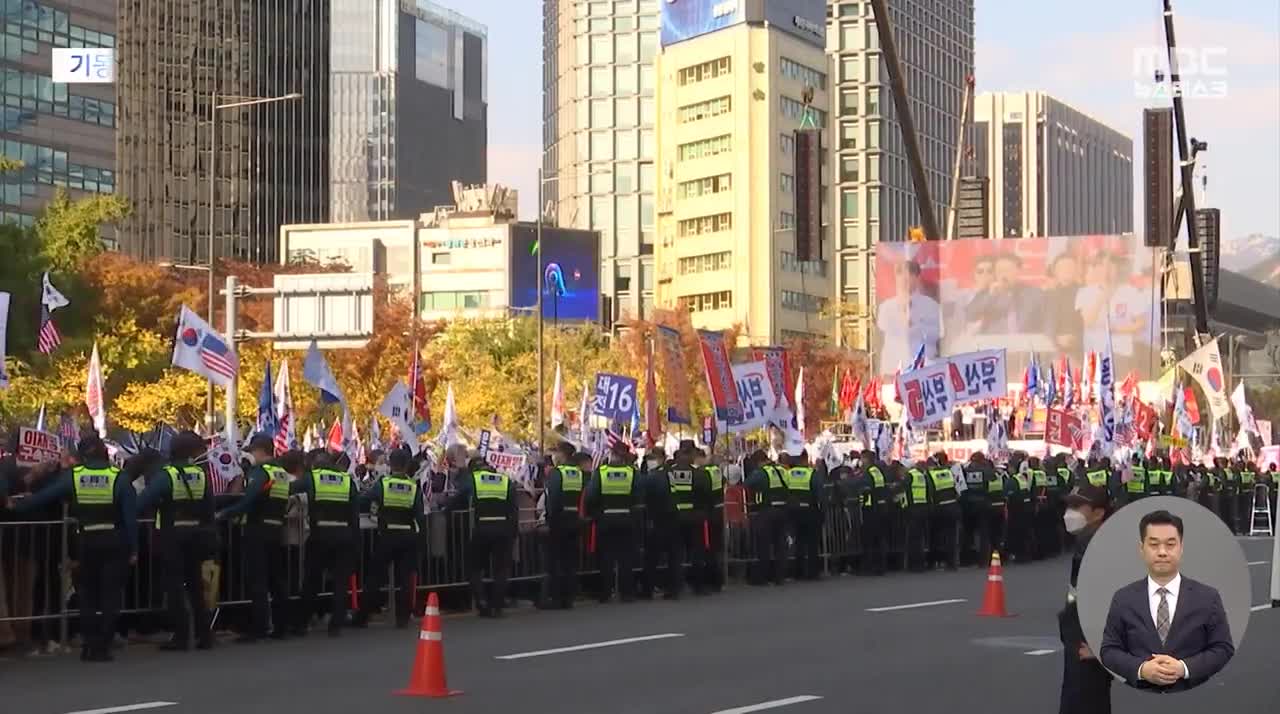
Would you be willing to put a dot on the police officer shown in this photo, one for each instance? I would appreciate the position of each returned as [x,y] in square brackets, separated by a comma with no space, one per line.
[713,575]
[804,511]
[401,522]
[1228,495]
[565,484]
[944,512]
[1018,500]
[491,498]
[767,506]
[1136,487]
[1086,685]
[612,500]
[184,536]
[1161,481]
[263,506]
[333,507]
[1042,511]
[682,520]
[102,501]
[988,497]
[1211,484]
[873,488]
[917,514]
[1244,504]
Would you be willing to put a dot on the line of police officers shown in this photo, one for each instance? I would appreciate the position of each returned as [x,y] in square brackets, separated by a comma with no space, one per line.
[674,506]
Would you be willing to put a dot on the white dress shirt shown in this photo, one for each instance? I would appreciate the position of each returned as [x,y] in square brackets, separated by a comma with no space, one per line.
[1153,600]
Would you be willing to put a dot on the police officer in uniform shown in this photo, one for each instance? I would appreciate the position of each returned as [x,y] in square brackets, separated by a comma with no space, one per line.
[804,512]
[768,508]
[873,488]
[680,519]
[1161,483]
[1042,508]
[1244,505]
[402,521]
[1228,495]
[333,507]
[611,499]
[1210,485]
[944,512]
[263,506]
[184,536]
[1018,497]
[491,498]
[988,503]
[102,501]
[713,574]
[1086,685]
[918,510]
[564,490]
[1136,487]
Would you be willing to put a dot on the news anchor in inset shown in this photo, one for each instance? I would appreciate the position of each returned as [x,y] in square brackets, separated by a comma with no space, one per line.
[1166,632]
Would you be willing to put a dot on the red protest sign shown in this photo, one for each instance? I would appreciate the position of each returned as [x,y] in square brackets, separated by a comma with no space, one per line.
[35,447]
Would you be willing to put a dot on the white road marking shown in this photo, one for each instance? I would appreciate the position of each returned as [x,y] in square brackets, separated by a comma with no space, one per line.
[1039,653]
[1259,562]
[1256,608]
[914,605]
[127,708]
[591,646]
[775,704]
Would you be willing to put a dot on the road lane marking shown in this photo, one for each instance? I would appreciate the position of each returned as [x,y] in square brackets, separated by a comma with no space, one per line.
[914,605]
[775,704]
[1256,608]
[1039,653]
[1259,562]
[127,708]
[591,646]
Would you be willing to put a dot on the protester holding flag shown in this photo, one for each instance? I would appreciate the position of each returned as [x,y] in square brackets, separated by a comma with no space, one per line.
[185,538]
[401,522]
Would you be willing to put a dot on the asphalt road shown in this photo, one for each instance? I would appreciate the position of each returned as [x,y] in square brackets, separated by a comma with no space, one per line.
[814,645]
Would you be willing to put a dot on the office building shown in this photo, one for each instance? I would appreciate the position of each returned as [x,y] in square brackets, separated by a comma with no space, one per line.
[730,98]
[62,133]
[475,260]
[598,135]
[1051,169]
[410,107]
[178,59]
[873,193]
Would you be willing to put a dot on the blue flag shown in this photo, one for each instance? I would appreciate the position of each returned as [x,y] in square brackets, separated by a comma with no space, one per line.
[317,373]
[1051,388]
[268,422]
[918,361]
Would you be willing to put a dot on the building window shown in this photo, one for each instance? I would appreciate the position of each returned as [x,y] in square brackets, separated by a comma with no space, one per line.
[848,136]
[786,219]
[873,100]
[849,205]
[714,146]
[850,68]
[792,109]
[791,264]
[441,258]
[849,168]
[806,75]
[849,102]
[456,300]
[622,278]
[707,263]
[704,110]
[803,302]
[704,186]
[702,72]
[786,183]
[703,302]
[704,225]
[601,113]
[787,143]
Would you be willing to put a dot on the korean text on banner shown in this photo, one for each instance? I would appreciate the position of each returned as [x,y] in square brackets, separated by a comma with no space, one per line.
[979,376]
[724,390]
[675,381]
[1205,366]
[615,397]
[1064,429]
[756,393]
[927,394]
[36,447]
[505,462]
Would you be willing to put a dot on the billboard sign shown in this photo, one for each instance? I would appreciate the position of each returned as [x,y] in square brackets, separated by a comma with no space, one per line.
[573,294]
[806,19]
[335,309]
[1050,296]
[83,65]
[686,19]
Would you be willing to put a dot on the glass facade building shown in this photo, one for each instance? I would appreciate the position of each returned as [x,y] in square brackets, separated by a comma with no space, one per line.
[598,108]
[62,133]
[177,60]
[410,107]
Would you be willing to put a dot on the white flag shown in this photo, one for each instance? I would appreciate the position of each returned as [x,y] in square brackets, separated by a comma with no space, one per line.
[584,416]
[40,418]
[4,326]
[1205,366]
[93,398]
[1244,413]
[557,401]
[375,434]
[199,348]
[800,401]
[449,423]
[397,407]
[50,297]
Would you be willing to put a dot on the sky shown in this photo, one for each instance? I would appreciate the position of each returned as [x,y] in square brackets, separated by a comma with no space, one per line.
[1081,52]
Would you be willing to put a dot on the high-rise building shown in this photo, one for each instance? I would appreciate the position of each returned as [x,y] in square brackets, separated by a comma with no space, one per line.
[598,135]
[62,133]
[178,60]
[1051,169]
[733,78]
[410,107]
[874,195]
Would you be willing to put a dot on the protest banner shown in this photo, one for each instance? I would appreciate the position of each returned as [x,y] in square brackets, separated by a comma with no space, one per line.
[615,397]
[978,376]
[675,381]
[1064,429]
[483,445]
[756,394]
[932,392]
[926,394]
[35,447]
[720,382]
[778,366]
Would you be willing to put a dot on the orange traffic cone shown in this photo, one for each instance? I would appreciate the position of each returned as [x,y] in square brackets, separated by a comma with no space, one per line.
[993,600]
[427,678]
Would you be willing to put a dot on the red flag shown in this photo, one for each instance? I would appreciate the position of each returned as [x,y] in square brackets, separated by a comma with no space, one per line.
[897,396]
[1193,410]
[848,391]
[1130,385]
[652,424]
[335,436]
[418,392]
[871,396]
[1144,419]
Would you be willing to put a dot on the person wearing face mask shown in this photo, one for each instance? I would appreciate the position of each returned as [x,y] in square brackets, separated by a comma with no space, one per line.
[1086,685]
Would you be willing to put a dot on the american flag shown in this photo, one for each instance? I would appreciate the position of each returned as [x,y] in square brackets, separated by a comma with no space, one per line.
[282,434]
[68,430]
[215,356]
[48,339]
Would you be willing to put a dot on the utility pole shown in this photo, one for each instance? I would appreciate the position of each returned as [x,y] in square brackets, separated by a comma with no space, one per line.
[953,209]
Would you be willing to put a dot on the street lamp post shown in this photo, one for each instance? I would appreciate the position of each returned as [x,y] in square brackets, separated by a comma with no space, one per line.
[214,108]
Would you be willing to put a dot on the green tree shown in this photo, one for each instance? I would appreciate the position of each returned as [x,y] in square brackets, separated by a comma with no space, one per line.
[70,232]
